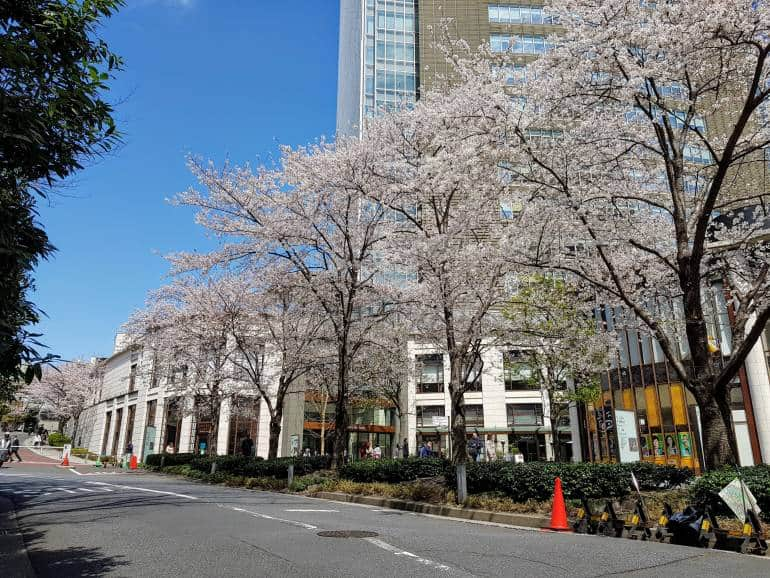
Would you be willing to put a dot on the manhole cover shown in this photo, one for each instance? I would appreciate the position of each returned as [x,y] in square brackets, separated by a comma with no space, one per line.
[347,534]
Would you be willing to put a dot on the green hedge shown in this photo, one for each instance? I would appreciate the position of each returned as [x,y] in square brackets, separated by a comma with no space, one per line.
[393,471]
[706,488]
[57,439]
[170,459]
[258,467]
[534,480]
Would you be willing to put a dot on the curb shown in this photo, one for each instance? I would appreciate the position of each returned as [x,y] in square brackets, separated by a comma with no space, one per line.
[16,562]
[509,518]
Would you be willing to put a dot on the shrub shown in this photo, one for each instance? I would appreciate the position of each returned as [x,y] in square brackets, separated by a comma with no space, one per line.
[259,468]
[705,490]
[393,471]
[170,459]
[534,480]
[57,439]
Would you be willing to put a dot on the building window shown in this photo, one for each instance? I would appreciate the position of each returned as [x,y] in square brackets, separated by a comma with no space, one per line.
[474,416]
[517,374]
[430,370]
[520,43]
[132,378]
[522,414]
[472,376]
[426,413]
[518,14]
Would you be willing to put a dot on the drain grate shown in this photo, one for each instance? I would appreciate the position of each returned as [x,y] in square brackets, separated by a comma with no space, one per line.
[347,534]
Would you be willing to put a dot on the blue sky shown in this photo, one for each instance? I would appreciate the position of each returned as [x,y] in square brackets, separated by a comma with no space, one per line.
[223,79]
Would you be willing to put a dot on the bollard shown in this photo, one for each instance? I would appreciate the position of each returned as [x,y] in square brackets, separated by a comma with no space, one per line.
[291,473]
[162,461]
[462,484]
[213,467]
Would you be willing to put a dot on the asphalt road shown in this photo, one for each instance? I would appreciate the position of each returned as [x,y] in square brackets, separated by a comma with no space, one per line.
[147,525]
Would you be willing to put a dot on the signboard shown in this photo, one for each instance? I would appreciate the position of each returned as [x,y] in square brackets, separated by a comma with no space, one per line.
[739,498]
[294,444]
[440,421]
[518,458]
[625,423]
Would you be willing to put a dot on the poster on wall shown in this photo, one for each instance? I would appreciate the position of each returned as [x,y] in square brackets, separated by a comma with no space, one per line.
[628,441]
[646,444]
[672,445]
[657,445]
[685,447]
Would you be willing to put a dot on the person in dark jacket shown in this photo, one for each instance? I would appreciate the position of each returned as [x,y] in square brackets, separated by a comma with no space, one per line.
[405,449]
[14,449]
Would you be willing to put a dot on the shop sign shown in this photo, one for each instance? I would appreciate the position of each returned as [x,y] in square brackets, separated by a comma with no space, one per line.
[440,421]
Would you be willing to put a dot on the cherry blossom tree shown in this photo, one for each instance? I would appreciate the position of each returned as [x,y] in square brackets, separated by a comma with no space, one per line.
[277,333]
[187,329]
[446,239]
[636,153]
[311,215]
[65,390]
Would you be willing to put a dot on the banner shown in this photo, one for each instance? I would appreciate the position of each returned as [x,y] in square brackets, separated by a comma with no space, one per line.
[625,422]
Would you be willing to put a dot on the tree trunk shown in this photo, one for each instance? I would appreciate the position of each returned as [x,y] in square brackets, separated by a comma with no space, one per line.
[459,440]
[719,445]
[213,434]
[275,433]
[341,418]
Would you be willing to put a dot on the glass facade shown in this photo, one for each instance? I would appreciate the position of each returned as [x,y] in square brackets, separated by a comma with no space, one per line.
[390,55]
[520,43]
[517,14]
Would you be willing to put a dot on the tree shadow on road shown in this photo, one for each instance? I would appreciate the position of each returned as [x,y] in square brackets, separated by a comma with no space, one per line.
[74,561]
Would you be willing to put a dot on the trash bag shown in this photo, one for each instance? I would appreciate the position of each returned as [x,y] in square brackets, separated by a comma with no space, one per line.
[685,526]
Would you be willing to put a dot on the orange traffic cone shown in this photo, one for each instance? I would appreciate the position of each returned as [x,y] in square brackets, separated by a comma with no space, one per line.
[559,512]
[132,463]
[66,461]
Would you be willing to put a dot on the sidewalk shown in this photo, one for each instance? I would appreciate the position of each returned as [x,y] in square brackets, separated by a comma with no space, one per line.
[15,561]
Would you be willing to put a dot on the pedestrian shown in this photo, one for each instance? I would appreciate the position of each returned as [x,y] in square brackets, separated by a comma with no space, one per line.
[130,449]
[306,453]
[170,448]
[475,446]
[405,449]
[424,451]
[247,445]
[5,447]
[15,449]
[430,449]
[491,449]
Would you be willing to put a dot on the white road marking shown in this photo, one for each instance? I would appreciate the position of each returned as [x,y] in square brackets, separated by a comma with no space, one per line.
[144,490]
[87,490]
[308,510]
[65,490]
[74,471]
[266,517]
[404,553]
[47,494]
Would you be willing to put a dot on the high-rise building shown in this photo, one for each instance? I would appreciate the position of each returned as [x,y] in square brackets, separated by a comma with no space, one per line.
[388,56]
[388,48]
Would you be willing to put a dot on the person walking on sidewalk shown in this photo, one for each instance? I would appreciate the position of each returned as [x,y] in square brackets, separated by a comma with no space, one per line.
[15,449]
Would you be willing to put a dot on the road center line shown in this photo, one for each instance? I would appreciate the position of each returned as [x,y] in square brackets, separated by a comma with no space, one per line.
[398,552]
[65,490]
[143,490]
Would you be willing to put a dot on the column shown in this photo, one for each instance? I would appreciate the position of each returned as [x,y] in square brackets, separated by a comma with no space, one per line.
[759,386]
[185,435]
[224,427]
